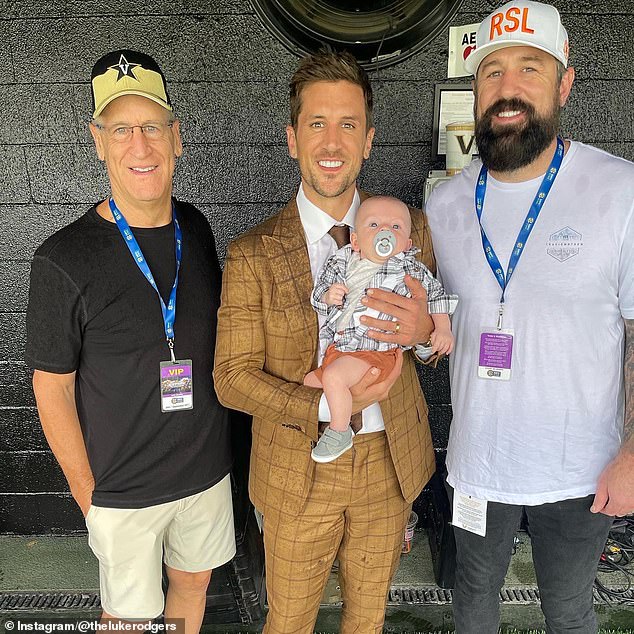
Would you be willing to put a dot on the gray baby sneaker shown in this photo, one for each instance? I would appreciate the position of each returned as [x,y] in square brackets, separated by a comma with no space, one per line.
[332,444]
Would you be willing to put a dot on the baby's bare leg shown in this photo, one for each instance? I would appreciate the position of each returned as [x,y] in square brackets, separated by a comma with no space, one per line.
[311,380]
[337,379]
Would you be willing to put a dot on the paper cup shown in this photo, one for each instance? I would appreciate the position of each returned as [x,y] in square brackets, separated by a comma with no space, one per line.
[461,145]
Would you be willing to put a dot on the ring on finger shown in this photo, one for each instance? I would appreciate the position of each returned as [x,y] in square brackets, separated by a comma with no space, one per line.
[397,327]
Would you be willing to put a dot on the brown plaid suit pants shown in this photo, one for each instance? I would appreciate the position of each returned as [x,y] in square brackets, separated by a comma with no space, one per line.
[355,510]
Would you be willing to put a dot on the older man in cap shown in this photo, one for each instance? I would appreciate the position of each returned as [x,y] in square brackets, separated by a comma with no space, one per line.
[121,325]
[536,238]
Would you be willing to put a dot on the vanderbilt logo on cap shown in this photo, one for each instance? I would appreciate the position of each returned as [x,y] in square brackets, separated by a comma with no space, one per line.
[127,72]
[125,68]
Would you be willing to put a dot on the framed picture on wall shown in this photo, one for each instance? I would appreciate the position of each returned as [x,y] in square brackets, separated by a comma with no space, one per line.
[452,103]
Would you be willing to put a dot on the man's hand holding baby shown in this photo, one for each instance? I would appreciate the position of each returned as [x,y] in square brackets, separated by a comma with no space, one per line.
[411,314]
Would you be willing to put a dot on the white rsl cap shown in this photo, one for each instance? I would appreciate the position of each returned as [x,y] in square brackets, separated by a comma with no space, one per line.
[521,23]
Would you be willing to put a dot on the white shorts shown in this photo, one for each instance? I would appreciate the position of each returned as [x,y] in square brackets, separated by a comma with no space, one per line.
[194,534]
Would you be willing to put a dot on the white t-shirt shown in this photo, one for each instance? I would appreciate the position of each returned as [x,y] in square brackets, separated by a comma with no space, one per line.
[547,433]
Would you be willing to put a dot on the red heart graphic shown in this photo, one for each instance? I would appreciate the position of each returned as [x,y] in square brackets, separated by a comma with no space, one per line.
[467,51]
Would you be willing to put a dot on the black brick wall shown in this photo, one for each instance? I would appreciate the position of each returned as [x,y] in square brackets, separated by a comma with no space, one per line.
[228,80]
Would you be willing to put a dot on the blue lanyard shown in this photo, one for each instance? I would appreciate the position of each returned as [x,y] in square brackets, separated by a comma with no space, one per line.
[527,227]
[169,311]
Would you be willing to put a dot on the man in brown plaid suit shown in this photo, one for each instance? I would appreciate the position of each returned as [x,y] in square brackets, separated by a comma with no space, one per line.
[355,507]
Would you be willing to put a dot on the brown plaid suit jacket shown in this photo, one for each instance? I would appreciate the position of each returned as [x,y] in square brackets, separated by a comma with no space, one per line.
[266,344]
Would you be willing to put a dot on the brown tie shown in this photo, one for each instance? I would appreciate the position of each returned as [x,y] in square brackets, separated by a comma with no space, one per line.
[341,235]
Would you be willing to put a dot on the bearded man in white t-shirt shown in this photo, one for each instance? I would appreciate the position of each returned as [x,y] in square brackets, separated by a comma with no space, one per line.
[536,239]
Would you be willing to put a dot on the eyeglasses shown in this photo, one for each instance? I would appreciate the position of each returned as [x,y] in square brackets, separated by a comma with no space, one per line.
[123,133]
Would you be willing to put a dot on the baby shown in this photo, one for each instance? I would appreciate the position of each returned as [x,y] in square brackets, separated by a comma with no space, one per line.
[379,255]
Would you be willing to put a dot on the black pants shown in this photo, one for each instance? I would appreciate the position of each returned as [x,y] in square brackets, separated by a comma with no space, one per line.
[567,541]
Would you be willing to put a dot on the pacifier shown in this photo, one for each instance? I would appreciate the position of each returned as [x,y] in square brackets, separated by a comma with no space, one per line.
[384,243]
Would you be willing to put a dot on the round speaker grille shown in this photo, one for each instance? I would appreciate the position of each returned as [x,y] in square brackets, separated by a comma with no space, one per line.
[377,32]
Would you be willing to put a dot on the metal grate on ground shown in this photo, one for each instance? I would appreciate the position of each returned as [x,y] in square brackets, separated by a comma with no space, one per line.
[12,601]
[414,595]
[433,595]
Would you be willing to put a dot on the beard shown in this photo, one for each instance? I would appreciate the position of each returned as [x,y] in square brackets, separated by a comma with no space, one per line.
[329,188]
[331,185]
[510,147]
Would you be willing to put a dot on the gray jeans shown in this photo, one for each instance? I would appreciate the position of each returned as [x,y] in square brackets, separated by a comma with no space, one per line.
[567,541]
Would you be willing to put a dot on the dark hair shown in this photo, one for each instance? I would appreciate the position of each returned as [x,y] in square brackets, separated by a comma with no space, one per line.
[328,65]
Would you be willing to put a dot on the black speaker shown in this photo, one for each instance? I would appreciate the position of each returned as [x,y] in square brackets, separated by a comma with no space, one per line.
[442,543]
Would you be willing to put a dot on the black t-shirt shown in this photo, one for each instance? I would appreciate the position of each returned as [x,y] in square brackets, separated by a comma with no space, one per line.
[92,311]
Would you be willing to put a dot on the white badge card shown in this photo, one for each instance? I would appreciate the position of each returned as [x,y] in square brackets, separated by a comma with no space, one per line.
[469,513]
[177,387]
[496,355]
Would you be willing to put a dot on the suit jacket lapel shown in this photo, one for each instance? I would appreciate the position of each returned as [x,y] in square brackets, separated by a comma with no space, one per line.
[288,259]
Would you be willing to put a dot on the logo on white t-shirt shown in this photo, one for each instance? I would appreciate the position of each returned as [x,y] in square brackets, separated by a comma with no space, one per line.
[564,244]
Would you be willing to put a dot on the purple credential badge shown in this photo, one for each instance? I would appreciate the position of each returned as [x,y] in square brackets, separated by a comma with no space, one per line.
[496,350]
[176,385]
[176,379]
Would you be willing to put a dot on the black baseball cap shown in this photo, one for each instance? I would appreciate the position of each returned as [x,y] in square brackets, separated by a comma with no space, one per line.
[126,72]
